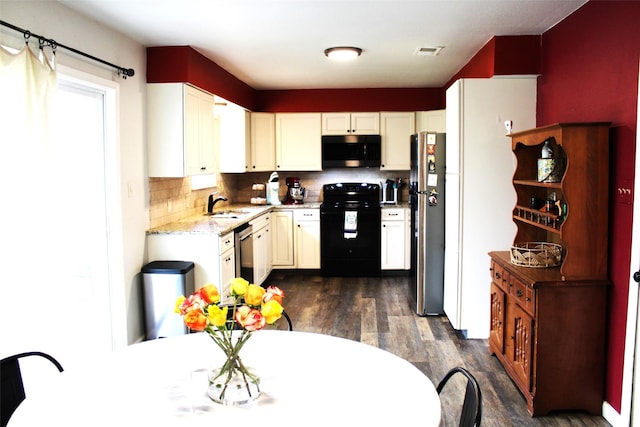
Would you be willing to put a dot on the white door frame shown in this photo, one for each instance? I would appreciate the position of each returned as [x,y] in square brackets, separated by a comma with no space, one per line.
[113,198]
[631,369]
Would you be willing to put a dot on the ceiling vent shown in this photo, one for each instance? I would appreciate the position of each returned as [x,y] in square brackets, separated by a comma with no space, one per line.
[428,51]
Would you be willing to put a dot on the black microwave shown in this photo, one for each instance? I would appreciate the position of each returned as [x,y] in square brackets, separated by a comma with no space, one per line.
[350,151]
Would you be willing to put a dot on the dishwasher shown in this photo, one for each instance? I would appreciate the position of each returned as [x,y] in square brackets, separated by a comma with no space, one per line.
[244,251]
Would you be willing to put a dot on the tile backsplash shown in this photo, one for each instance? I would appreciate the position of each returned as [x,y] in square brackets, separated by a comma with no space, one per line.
[172,199]
[313,181]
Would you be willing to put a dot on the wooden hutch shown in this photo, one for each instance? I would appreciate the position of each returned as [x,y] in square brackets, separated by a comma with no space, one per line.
[548,324]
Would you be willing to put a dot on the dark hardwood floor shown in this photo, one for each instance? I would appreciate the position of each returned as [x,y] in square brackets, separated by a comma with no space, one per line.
[376,311]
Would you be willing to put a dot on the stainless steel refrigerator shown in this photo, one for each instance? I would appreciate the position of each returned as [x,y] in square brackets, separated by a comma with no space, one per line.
[427,198]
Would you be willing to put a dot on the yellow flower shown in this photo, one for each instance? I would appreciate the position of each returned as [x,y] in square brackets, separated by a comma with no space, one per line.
[179,302]
[254,294]
[272,311]
[218,316]
[239,286]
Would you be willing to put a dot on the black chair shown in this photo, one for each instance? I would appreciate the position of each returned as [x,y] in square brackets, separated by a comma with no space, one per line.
[472,406]
[288,319]
[12,387]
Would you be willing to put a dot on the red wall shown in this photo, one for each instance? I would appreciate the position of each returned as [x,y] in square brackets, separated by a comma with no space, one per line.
[501,55]
[169,64]
[590,73]
[321,100]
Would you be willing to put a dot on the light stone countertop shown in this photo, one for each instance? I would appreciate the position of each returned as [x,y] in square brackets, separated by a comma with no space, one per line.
[206,224]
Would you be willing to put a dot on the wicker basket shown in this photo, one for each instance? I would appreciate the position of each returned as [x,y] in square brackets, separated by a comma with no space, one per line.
[536,254]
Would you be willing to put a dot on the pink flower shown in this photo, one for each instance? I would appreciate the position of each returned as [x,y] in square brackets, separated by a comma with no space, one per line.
[250,318]
[274,293]
[191,303]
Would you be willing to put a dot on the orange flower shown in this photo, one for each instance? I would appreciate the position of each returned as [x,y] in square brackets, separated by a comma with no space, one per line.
[250,318]
[274,293]
[254,294]
[195,320]
[209,293]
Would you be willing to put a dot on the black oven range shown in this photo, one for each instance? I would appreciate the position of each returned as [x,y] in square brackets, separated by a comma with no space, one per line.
[350,229]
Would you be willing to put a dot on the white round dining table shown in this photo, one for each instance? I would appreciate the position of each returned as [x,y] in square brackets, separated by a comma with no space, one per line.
[306,379]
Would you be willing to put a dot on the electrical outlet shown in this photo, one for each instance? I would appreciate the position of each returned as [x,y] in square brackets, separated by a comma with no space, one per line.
[624,195]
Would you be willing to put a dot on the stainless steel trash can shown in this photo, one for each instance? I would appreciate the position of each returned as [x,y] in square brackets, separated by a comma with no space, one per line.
[163,282]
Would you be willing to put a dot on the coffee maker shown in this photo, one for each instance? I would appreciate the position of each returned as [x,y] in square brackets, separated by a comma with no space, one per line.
[295,192]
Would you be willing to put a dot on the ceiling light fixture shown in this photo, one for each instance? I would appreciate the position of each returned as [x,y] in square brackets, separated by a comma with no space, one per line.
[342,53]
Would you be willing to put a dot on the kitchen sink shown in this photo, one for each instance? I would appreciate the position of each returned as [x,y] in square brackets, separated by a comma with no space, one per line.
[231,214]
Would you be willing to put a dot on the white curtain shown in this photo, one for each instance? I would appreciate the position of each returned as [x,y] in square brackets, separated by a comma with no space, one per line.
[28,85]
[27,90]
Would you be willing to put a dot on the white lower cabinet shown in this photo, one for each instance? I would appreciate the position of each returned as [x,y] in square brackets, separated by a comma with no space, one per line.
[212,255]
[395,239]
[261,248]
[296,238]
[307,237]
[282,239]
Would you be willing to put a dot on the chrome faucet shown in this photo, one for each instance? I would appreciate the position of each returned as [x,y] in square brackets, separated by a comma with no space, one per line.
[213,201]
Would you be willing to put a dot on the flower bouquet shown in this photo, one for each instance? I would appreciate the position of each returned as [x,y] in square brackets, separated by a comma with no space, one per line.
[230,325]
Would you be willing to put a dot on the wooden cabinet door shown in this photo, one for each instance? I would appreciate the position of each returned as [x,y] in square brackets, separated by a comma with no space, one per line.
[365,123]
[336,123]
[263,142]
[298,142]
[496,331]
[261,248]
[392,242]
[396,130]
[282,238]
[307,237]
[519,344]
[227,271]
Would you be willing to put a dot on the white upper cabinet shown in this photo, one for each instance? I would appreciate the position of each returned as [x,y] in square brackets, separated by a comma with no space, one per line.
[263,142]
[396,129]
[234,136]
[180,128]
[431,121]
[350,123]
[298,142]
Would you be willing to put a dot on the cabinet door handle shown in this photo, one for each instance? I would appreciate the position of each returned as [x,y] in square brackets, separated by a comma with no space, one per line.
[497,275]
[519,293]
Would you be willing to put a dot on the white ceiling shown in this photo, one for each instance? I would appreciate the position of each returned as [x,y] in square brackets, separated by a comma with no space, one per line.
[279,44]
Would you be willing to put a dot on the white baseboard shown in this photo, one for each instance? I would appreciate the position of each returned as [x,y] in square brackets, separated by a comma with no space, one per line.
[612,416]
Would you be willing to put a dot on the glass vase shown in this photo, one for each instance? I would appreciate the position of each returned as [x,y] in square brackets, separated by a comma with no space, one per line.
[233,383]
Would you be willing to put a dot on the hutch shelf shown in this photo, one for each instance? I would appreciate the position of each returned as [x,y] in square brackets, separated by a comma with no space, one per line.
[548,323]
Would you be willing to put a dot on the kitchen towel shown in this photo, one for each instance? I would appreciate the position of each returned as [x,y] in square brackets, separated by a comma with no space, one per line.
[350,224]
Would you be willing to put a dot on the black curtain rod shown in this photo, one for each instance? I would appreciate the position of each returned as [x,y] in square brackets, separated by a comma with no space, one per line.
[124,72]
